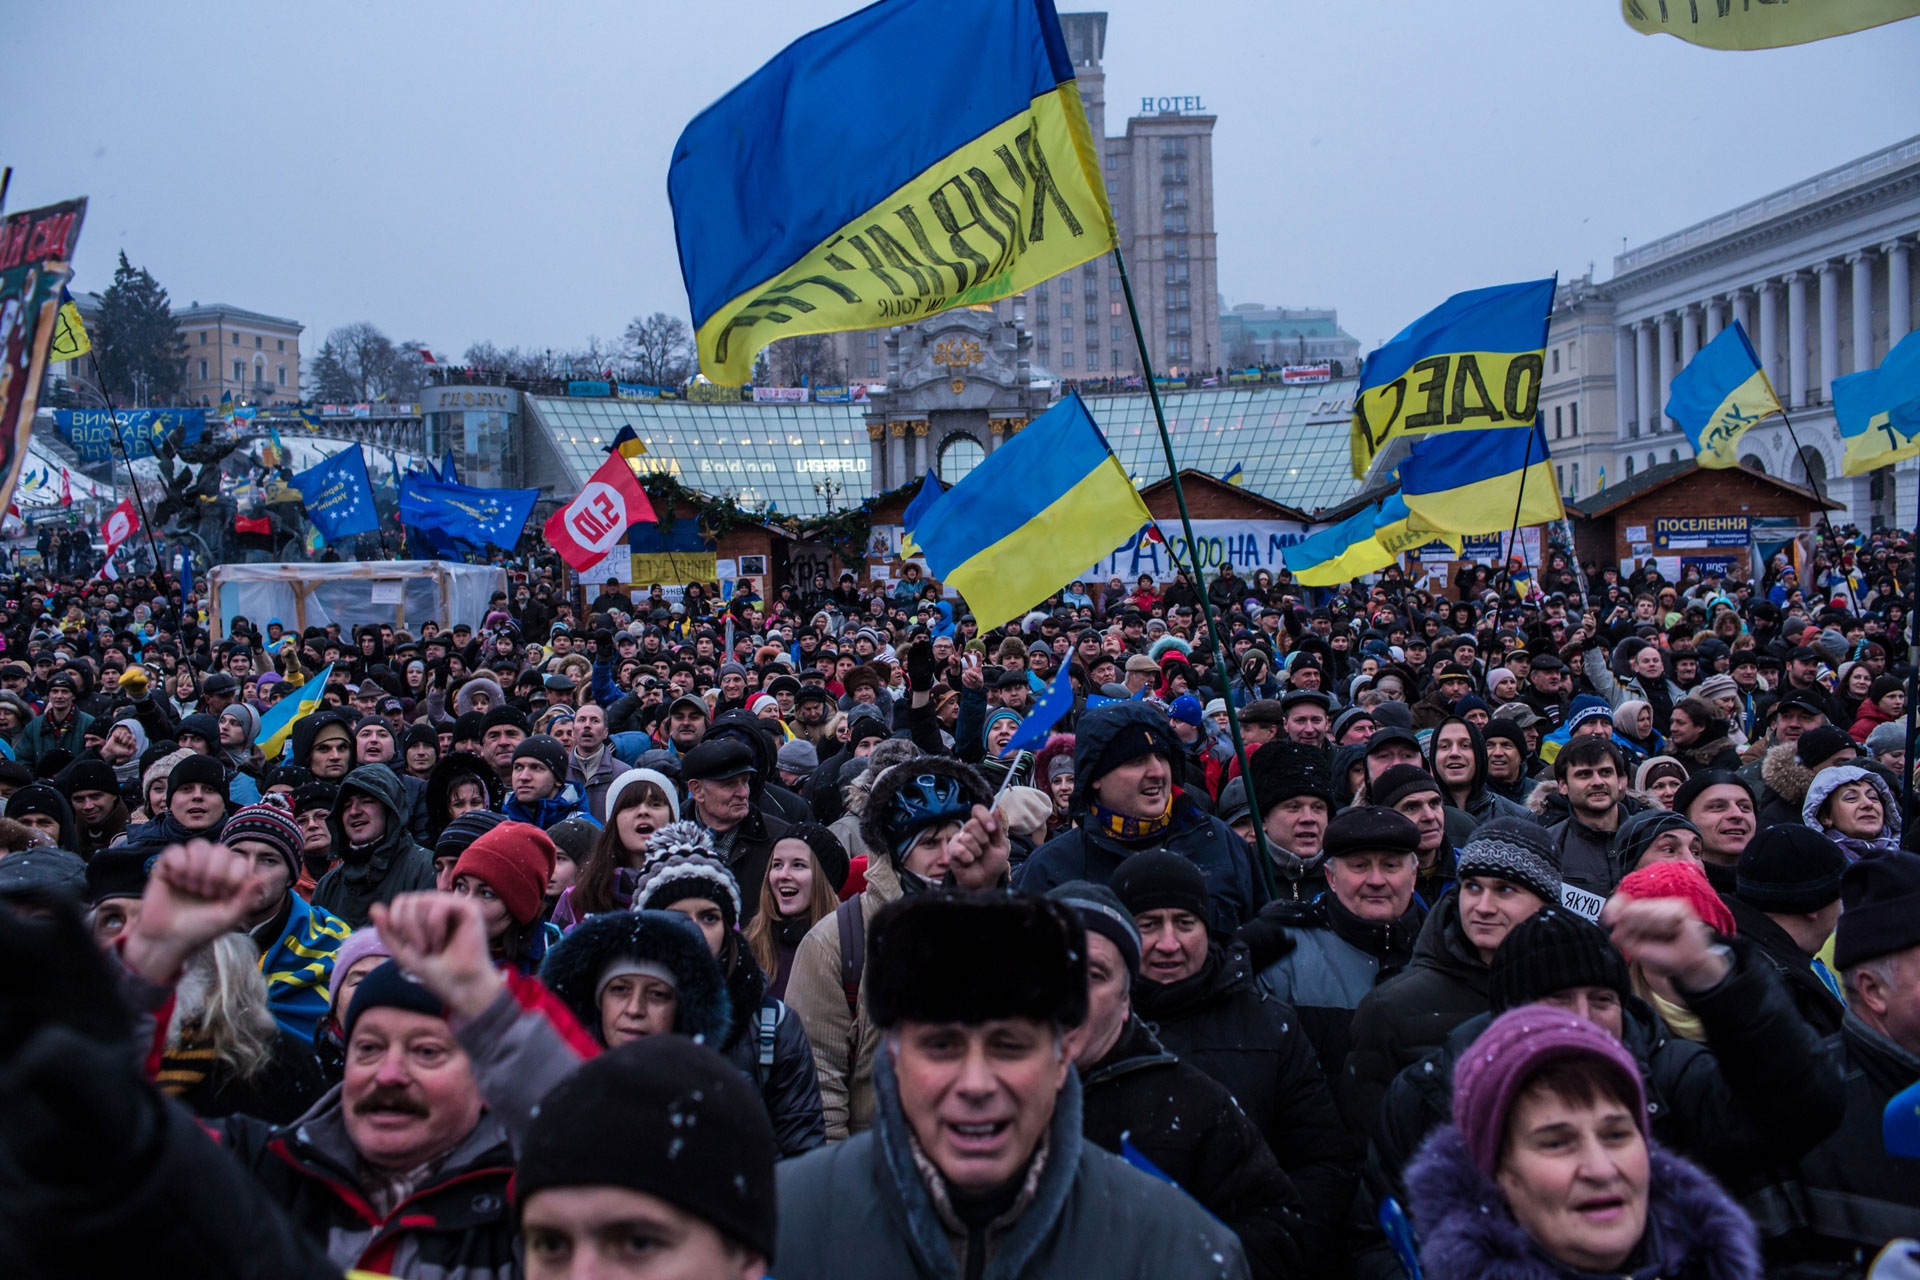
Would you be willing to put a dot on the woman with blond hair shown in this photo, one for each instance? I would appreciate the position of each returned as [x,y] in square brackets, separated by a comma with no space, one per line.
[224,1054]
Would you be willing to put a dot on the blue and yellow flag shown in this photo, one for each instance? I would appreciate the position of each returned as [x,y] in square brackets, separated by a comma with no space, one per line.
[226,406]
[70,340]
[1472,481]
[1237,475]
[1878,410]
[912,157]
[1365,542]
[1721,393]
[1763,25]
[625,443]
[1033,516]
[277,725]
[309,418]
[1473,361]
[931,491]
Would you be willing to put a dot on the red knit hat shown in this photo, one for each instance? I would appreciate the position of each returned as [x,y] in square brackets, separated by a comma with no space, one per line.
[515,860]
[1685,881]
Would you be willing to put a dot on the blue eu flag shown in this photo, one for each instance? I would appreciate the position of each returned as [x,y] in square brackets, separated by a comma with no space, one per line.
[491,516]
[338,496]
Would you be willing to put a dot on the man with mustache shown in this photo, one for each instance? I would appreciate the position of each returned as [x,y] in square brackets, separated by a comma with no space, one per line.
[404,1167]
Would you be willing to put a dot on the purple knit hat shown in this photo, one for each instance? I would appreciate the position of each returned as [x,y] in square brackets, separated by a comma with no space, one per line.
[1508,1053]
[360,944]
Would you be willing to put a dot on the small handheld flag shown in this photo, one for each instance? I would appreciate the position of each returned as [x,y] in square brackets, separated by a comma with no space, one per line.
[1046,713]
[1719,397]
[596,521]
[277,725]
[1033,515]
[908,159]
[627,444]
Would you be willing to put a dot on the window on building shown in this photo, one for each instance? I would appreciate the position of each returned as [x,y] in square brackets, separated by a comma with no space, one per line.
[258,342]
[236,339]
[1114,360]
[1629,464]
[1673,455]
[1174,222]
[1556,422]
[203,368]
[873,366]
[873,337]
[1560,477]
[203,337]
[1573,355]
[1093,359]
[1556,359]
[1066,311]
[1116,308]
[1573,419]
[1113,159]
[1113,284]
[1173,172]
[1066,359]
[1040,290]
[1177,247]
[1113,188]
[282,342]
[1066,333]
[1172,148]
[239,371]
[1653,460]
[1575,491]
[1116,334]
[1179,299]
[283,374]
[1177,273]
[1174,198]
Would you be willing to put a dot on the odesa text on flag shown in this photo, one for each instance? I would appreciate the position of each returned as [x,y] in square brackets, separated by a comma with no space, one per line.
[1878,410]
[338,496]
[1365,542]
[494,517]
[1032,516]
[1721,394]
[912,157]
[277,725]
[1045,713]
[1472,481]
[597,521]
[1473,361]
[931,491]
[1747,25]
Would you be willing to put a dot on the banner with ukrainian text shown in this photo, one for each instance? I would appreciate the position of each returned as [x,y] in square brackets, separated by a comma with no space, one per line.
[36,256]
[910,158]
[1765,24]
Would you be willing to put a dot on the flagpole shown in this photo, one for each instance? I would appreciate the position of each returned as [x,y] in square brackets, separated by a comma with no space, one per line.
[1199,582]
[1799,453]
[1519,497]
[113,417]
[1913,676]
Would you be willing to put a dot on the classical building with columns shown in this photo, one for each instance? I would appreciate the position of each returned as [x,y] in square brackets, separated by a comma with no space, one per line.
[1819,274]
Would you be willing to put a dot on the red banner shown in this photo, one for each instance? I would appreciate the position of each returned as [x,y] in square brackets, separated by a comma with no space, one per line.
[594,523]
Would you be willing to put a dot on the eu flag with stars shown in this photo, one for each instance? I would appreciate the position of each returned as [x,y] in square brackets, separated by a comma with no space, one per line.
[338,496]
[491,516]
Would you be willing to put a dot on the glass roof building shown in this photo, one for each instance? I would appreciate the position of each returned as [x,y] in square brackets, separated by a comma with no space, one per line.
[806,459]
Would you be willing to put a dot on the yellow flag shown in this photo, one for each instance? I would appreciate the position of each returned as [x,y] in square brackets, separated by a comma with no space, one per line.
[1767,24]
[70,340]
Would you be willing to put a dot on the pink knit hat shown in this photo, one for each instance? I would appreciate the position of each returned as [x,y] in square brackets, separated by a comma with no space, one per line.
[1509,1053]
[359,944]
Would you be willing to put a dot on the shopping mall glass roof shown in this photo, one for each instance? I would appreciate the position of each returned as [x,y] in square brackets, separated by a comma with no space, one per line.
[1290,443]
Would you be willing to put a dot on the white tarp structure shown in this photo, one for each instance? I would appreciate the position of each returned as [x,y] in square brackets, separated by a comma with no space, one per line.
[404,593]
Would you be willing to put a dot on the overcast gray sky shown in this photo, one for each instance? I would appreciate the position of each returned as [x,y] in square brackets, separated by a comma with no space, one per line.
[497,170]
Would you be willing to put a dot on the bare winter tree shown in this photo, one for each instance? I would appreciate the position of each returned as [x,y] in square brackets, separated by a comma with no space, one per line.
[658,350]
[803,361]
[355,363]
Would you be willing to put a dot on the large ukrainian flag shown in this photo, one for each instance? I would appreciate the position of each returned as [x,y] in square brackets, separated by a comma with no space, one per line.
[913,157]
[1043,507]
[1878,410]
[1474,481]
[1473,361]
[1719,396]
[1365,542]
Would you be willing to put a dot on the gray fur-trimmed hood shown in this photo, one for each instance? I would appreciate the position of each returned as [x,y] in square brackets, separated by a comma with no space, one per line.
[1784,775]
[573,967]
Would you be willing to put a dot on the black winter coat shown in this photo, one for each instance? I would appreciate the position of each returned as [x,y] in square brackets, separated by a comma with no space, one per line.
[1190,1128]
[1763,1089]
[767,1042]
[1848,1196]
[1225,1023]
[1412,1013]
[1822,1009]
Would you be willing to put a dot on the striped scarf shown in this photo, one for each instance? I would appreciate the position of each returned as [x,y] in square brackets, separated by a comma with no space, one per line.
[1126,828]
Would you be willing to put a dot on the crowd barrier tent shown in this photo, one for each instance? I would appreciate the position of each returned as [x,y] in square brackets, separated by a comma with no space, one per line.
[404,593]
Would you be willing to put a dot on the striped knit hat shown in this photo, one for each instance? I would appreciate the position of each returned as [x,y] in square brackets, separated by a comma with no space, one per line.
[1515,850]
[271,823]
[681,864]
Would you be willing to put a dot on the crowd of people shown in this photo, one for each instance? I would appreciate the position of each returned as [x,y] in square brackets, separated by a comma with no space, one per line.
[1559,926]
